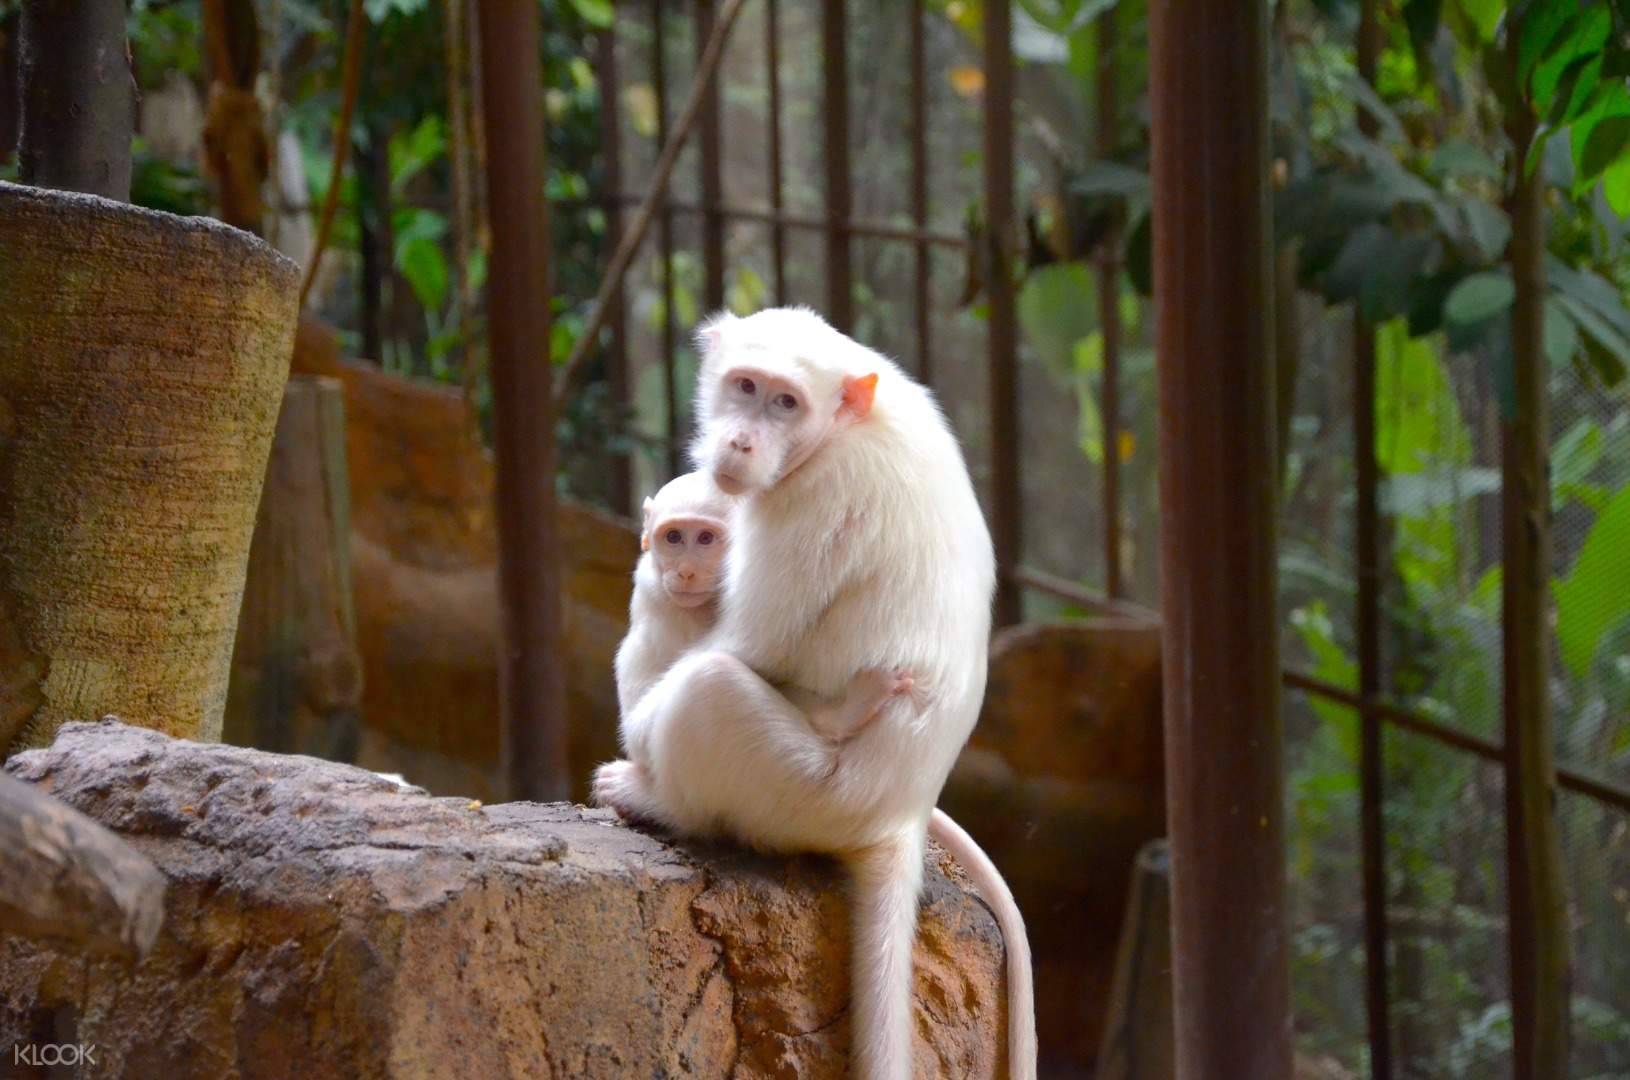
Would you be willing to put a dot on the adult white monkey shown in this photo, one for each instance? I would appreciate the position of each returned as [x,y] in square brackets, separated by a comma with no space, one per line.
[858,545]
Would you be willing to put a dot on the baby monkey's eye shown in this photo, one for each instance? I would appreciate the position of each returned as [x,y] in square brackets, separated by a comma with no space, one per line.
[673,536]
[747,386]
[705,537]
[787,401]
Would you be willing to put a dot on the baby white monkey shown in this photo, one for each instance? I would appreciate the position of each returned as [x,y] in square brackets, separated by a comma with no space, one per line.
[685,538]
[857,544]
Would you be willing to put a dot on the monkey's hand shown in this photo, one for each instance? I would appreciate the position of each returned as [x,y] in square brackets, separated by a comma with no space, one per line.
[868,691]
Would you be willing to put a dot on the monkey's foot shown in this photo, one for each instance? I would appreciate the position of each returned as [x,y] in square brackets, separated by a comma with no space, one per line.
[624,787]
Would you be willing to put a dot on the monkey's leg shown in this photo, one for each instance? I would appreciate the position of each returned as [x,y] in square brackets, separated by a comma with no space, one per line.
[863,699]
[626,788]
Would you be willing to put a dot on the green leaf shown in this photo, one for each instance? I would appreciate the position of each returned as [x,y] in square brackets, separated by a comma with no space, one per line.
[411,152]
[597,13]
[1457,157]
[1603,146]
[1418,420]
[1421,16]
[1056,310]
[1139,256]
[1488,227]
[1484,16]
[421,262]
[1561,334]
[1616,186]
[1576,453]
[1479,297]
[1542,24]
[1593,598]
[1610,350]
[1585,35]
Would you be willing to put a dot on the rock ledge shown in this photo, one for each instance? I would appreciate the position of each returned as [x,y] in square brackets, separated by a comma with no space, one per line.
[322,922]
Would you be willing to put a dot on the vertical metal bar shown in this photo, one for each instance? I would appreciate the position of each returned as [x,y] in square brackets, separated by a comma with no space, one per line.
[1372,829]
[919,190]
[665,241]
[1536,891]
[839,203]
[616,355]
[708,136]
[1003,343]
[533,702]
[1109,312]
[778,231]
[1224,785]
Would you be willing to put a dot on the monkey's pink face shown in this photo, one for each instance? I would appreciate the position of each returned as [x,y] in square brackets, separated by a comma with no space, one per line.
[763,424]
[689,553]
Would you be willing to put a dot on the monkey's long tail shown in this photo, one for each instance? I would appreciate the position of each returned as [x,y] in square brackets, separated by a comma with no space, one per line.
[888,877]
[1021,1007]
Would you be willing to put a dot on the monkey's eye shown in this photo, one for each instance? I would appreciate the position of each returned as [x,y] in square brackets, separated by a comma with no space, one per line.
[747,385]
[787,402]
[705,537]
[673,536]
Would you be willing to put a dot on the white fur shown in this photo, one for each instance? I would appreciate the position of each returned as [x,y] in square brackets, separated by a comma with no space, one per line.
[859,546]
[659,631]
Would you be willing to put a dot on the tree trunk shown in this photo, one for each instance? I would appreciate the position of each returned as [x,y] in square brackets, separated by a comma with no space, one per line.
[1138,1037]
[142,359]
[76,90]
[1540,961]
[237,153]
[296,674]
[63,876]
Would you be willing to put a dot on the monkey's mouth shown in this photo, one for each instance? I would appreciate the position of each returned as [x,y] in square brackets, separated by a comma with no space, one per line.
[689,598]
[728,484]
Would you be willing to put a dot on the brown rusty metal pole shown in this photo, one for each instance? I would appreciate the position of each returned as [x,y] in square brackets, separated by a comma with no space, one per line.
[778,230]
[708,136]
[665,246]
[1208,79]
[1003,341]
[616,355]
[919,191]
[1109,311]
[533,702]
[839,201]
[1372,829]
[1535,885]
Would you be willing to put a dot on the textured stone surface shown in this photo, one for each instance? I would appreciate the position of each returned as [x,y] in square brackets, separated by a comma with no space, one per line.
[322,922]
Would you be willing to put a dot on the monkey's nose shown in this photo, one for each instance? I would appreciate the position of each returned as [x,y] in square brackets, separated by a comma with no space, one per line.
[687,576]
[741,445]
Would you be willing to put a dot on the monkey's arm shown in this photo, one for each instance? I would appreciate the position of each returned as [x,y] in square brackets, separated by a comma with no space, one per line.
[862,700]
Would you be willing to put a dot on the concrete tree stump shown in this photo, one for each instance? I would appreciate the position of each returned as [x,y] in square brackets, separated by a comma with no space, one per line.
[322,922]
[142,360]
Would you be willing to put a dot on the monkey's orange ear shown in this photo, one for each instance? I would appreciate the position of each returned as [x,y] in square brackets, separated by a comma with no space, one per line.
[858,394]
[710,332]
[645,541]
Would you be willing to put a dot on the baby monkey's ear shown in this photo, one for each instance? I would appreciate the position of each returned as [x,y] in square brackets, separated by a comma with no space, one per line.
[645,532]
[858,394]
